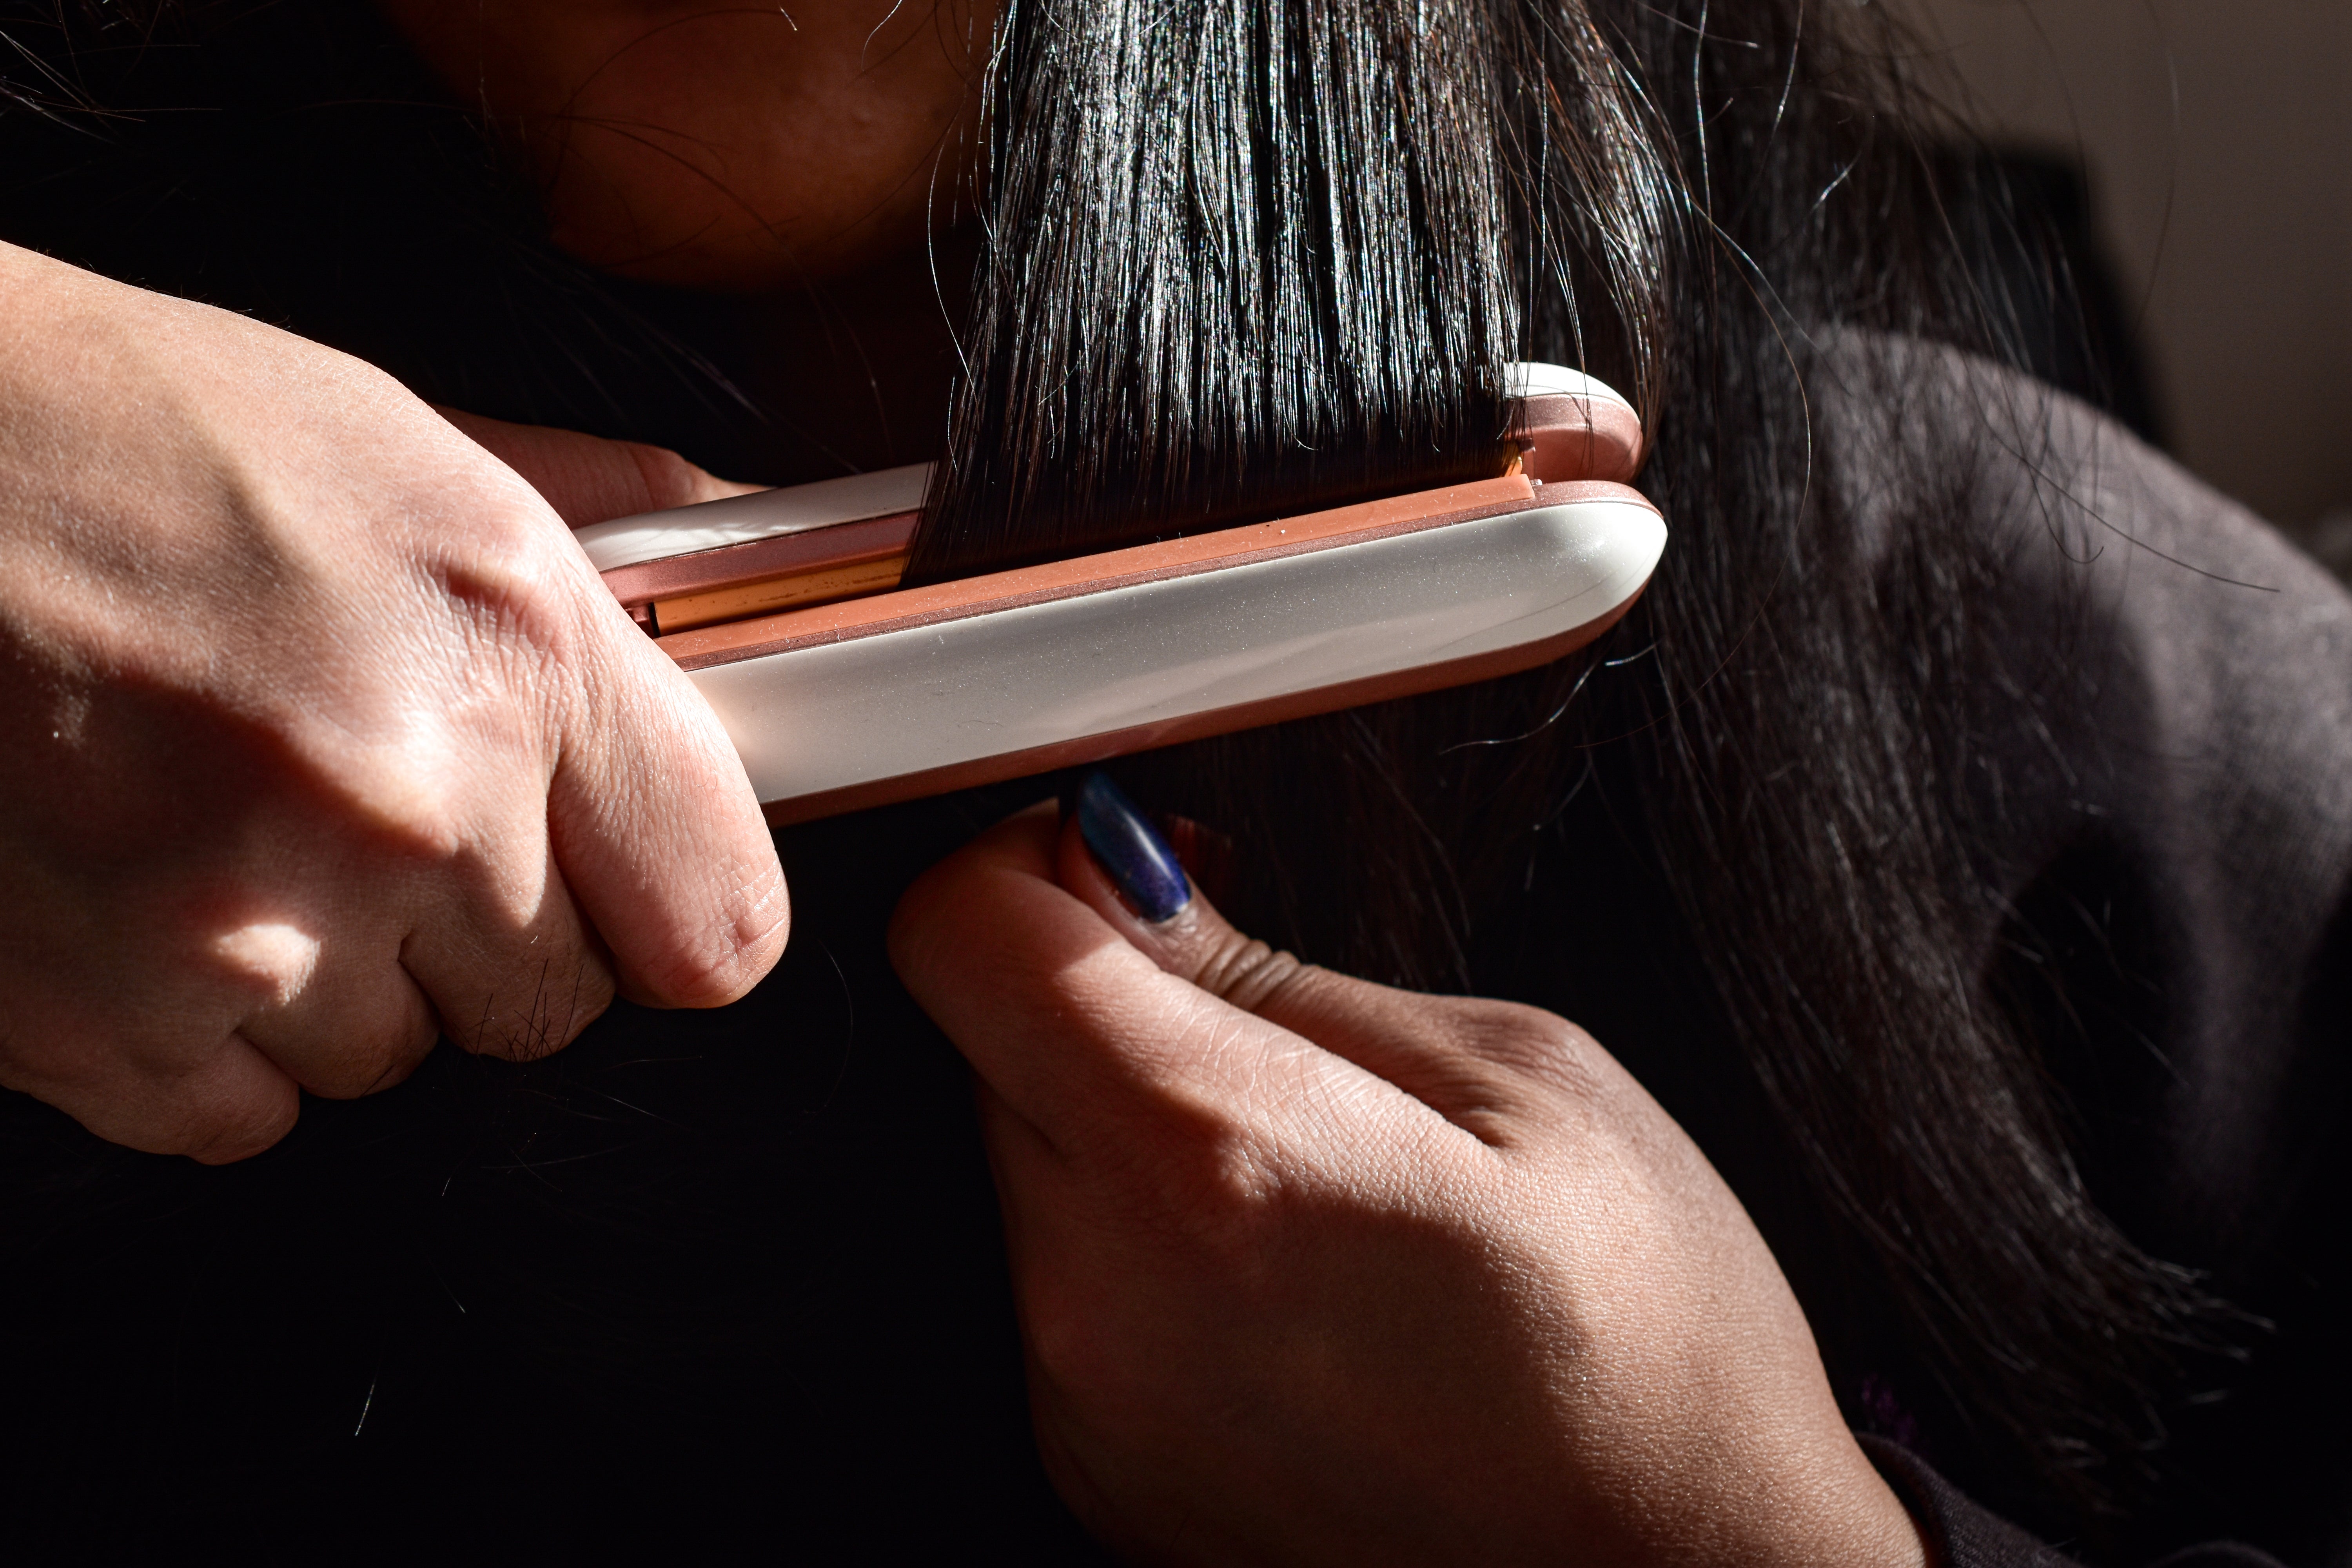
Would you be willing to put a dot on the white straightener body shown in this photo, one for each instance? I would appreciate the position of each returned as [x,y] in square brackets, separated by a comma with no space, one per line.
[842,690]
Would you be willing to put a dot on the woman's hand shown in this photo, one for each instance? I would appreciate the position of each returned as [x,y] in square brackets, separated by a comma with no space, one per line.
[1314,1270]
[318,736]
[589,480]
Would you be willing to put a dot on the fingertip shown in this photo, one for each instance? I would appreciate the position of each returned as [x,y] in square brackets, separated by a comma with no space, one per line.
[588,479]
[1023,842]
[990,928]
[1196,944]
[1129,847]
[696,981]
[669,481]
[662,843]
[754,931]
[1082,876]
[722,964]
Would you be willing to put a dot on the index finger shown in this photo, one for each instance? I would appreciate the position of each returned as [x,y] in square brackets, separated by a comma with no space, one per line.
[1074,1027]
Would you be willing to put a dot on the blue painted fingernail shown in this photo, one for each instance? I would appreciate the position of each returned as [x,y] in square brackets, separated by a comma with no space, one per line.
[1130,848]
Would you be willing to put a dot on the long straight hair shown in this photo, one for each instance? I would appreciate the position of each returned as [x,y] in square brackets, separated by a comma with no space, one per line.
[1245,254]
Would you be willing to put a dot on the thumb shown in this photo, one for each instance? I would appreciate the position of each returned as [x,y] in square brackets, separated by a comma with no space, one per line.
[657,831]
[1112,858]
[653,822]
[587,479]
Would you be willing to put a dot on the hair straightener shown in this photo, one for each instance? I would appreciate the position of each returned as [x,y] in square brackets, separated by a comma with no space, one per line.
[842,690]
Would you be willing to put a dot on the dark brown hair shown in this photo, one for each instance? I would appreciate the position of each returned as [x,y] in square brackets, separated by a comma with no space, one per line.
[1245,254]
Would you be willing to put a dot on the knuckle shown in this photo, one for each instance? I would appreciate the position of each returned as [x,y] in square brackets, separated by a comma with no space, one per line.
[1215,1185]
[513,589]
[1539,1044]
[512,580]
[1247,972]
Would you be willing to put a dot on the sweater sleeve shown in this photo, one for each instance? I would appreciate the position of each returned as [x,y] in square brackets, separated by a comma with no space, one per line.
[1959,1534]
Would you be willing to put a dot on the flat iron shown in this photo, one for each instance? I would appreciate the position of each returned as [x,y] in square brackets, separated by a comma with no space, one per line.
[842,690]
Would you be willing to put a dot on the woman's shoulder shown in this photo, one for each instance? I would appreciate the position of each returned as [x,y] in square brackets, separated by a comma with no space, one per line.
[2162,741]
[1906,420]
[2105,554]
[2156,770]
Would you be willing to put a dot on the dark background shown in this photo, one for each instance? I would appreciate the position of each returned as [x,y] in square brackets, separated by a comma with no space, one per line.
[2216,142]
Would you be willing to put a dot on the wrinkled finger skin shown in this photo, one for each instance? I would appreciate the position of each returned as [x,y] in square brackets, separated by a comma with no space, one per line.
[1311,1270]
[319,738]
